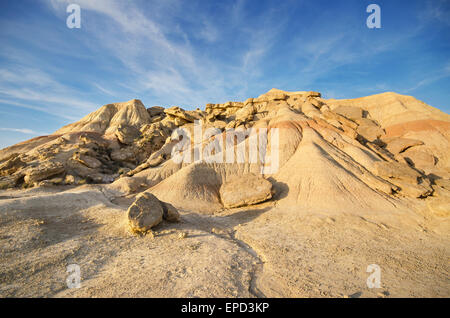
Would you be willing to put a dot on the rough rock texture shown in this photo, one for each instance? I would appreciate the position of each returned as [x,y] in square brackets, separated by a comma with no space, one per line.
[108,118]
[398,145]
[354,176]
[170,212]
[144,213]
[246,190]
[127,134]
[43,171]
[374,138]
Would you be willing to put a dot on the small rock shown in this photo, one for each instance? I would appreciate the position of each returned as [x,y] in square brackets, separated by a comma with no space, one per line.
[170,212]
[383,294]
[70,179]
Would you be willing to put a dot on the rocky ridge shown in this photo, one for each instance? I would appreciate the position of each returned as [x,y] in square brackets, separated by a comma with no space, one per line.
[361,181]
[361,153]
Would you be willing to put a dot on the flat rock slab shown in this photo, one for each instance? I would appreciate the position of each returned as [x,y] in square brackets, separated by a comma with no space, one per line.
[245,190]
[396,170]
[398,145]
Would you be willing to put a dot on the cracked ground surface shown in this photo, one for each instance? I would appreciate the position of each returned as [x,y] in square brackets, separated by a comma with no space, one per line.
[259,251]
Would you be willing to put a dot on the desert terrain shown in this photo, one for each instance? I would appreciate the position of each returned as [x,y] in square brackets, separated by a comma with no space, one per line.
[343,184]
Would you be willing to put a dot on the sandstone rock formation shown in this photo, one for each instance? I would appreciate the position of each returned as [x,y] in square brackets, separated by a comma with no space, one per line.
[342,184]
[362,153]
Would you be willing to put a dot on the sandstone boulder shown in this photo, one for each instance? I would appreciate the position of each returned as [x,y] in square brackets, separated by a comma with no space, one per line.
[413,190]
[7,182]
[245,190]
[246,113]
[126,185]
[51,182]
[145,213]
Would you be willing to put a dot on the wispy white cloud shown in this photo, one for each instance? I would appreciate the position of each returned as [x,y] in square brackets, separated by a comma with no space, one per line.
[21,130]
[430,78]
[436,11]
[35,89]
[158,57]
[46,110]
[104,90]
[153,41]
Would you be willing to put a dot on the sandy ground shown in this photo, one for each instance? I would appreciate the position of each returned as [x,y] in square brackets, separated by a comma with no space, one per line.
[259,251]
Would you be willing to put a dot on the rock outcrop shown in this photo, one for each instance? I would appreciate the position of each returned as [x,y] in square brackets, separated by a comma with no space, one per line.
[331,154]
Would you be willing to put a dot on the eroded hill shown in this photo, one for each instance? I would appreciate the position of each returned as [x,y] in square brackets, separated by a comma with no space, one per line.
[342,184]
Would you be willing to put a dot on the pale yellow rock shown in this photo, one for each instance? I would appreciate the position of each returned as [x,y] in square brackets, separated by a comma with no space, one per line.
[337,197]
[108,118]
[397,145]
[179,113]
[246,190]
[396,170]
[419,159]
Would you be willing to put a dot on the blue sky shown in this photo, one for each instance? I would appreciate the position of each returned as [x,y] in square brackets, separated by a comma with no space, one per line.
[189,53]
